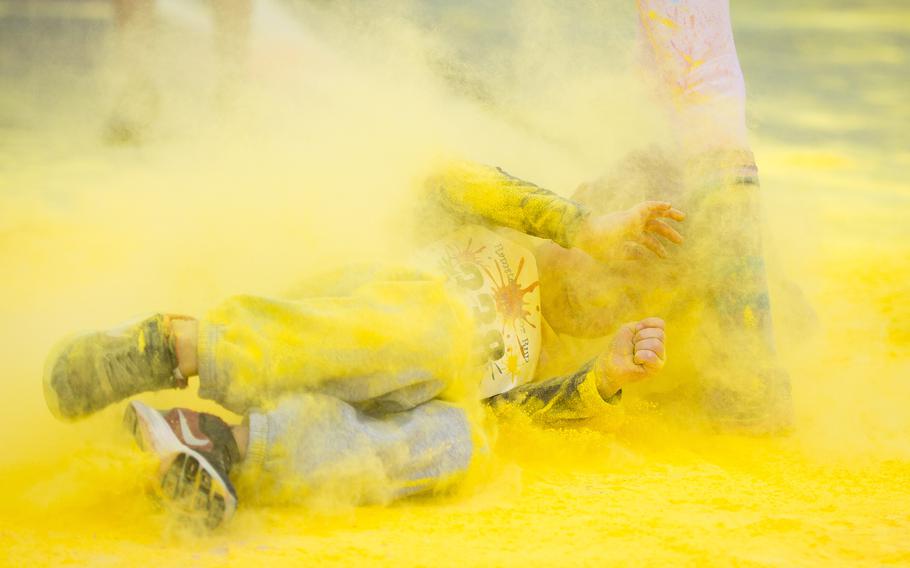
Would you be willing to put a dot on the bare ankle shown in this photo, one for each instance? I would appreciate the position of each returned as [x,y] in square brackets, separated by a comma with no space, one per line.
[186,341]
[241,434]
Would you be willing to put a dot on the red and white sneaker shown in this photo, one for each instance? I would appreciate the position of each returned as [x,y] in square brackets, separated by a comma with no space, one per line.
[197,451]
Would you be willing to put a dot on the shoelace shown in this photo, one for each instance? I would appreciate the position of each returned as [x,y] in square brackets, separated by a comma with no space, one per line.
[120,367]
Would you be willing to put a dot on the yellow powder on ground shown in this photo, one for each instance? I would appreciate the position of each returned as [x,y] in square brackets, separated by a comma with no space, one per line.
[91,235]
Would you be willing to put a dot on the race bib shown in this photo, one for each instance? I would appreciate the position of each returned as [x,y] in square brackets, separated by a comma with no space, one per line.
[497,279]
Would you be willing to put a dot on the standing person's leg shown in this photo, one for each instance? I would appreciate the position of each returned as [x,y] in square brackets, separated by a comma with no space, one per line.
[233,25]
[690,46]
[137,104]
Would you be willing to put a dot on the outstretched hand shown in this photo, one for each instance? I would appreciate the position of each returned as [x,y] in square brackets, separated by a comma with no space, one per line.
[629,234]
[637,352]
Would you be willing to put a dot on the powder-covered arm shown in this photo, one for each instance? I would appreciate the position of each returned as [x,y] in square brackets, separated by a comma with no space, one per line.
[560,399]
[477,193]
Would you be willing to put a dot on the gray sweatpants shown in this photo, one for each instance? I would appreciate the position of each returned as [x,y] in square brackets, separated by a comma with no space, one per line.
[360,396]
[317,447]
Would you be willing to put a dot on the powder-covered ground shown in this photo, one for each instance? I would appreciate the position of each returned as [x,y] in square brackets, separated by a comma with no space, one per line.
[90,234]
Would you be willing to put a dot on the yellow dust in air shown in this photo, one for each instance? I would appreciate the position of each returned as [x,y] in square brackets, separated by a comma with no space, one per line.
[309,165]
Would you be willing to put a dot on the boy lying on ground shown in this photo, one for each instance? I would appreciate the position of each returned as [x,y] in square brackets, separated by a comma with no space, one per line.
[369,385]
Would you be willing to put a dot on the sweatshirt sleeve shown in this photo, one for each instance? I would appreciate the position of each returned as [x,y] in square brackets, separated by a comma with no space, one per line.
[560,399]
[477,193]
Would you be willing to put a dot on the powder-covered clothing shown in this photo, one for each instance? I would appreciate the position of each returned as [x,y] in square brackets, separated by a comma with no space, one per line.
[496,278]
[370,381]
[481,218]
[314,447]
[560,399]
[475,194]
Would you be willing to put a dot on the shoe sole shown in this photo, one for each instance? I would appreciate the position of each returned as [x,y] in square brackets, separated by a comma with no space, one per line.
[187,479]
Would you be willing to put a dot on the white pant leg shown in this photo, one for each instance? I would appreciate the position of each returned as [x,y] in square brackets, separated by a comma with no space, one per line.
[689,45]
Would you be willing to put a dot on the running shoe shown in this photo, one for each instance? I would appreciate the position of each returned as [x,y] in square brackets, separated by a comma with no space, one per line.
[197,451]
[90,371]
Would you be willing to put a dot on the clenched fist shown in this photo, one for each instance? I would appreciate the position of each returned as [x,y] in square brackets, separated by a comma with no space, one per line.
[637,351]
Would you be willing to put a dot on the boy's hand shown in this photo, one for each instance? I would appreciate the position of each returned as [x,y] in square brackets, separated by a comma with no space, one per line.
[636,353]
[628,233]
